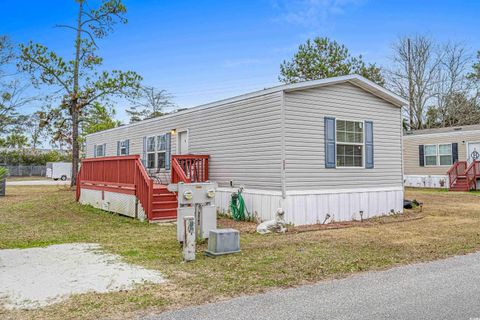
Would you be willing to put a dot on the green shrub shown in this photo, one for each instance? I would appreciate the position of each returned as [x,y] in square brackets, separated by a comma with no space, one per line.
[28,157]
[3,173]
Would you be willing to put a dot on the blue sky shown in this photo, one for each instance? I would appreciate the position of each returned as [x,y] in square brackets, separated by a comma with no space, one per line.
[202,51]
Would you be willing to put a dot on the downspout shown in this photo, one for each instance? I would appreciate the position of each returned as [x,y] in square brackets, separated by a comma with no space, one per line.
[282,135]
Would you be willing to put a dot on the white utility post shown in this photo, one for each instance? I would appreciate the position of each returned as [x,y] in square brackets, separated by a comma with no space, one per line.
[189,238]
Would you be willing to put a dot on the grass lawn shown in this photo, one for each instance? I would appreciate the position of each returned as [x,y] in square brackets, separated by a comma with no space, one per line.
[41,215]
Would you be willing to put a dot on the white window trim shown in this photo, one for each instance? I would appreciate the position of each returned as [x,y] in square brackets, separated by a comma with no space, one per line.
[445,154]
[353,143]
[103,150]
[154,152]
[437,155]
[158,151]
[121,147]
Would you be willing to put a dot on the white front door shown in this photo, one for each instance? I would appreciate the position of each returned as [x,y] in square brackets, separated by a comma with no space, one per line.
[183,142]
[473,151]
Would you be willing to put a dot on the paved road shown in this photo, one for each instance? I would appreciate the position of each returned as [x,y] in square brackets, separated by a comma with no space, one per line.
[445,289]
[37,183]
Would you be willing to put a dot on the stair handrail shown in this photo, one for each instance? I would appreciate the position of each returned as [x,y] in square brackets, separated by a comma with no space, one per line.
[143,187]
[178,174]
[471,173]
[453,172]
[189,168]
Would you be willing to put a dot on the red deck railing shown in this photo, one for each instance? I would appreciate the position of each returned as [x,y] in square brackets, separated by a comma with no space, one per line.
[122,174]
[457,170]
[126,174]
[472,173]
[189,168]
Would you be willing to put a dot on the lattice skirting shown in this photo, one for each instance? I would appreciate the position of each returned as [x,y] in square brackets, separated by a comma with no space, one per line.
[124,204]
[426,181]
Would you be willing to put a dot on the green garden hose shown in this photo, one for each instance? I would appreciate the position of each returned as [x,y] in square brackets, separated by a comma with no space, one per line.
[237,206]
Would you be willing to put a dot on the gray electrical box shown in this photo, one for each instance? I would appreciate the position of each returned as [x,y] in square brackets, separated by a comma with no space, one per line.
[223,241]
[208,220]
[181,213]
[193,193]
[196,199]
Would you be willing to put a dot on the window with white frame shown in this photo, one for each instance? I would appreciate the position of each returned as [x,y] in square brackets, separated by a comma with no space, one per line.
[349,140]
[123,148]
[445,154]
[151,152]
[161,150]
[431,155]
[100,150]
[438,155]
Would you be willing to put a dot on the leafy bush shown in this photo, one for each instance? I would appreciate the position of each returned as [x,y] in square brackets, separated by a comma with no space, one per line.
[3,173]
[31,157]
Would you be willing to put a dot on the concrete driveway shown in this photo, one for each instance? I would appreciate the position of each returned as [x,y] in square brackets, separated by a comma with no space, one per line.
[445,289]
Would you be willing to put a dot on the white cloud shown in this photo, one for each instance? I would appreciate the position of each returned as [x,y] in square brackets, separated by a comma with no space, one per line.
[311,12]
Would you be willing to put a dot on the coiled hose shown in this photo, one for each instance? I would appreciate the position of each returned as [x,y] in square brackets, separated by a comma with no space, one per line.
[237,206]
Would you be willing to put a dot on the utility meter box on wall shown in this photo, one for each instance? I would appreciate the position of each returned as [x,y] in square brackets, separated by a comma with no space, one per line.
[193,193]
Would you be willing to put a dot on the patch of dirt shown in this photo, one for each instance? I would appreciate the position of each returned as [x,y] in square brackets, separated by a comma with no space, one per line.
[409,215]
[242,226]
[36,277]
[251,227]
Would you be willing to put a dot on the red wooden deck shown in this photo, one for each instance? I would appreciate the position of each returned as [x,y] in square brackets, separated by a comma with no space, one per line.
[127,175]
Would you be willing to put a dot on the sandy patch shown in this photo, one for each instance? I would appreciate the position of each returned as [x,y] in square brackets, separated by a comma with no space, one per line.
[36,277]
[38,183]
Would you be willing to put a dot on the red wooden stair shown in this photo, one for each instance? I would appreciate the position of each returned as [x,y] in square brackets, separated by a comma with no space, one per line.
[460,184]
[463,177]
[164,204]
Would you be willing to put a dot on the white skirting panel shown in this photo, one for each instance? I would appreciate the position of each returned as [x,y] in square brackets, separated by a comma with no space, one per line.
[124,204]
[262,203]
[426,181]
[312,206]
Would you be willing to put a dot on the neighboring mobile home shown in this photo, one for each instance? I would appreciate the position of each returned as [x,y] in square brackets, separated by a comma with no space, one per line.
[430,153]
[321,148]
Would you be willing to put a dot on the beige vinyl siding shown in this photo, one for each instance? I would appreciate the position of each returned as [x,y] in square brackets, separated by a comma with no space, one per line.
[243,139]
[411,155]
[304,138]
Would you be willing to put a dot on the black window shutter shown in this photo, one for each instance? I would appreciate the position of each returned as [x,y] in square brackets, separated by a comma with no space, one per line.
[330,143]
[454,152]
[421,155]
[118,148]
[369,145]
[94,150]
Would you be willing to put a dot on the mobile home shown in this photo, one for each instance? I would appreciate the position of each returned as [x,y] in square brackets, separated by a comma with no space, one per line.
[430,154]
[317,149]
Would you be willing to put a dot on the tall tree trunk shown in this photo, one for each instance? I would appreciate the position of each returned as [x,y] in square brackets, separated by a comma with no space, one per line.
[410,84]
[74,108]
